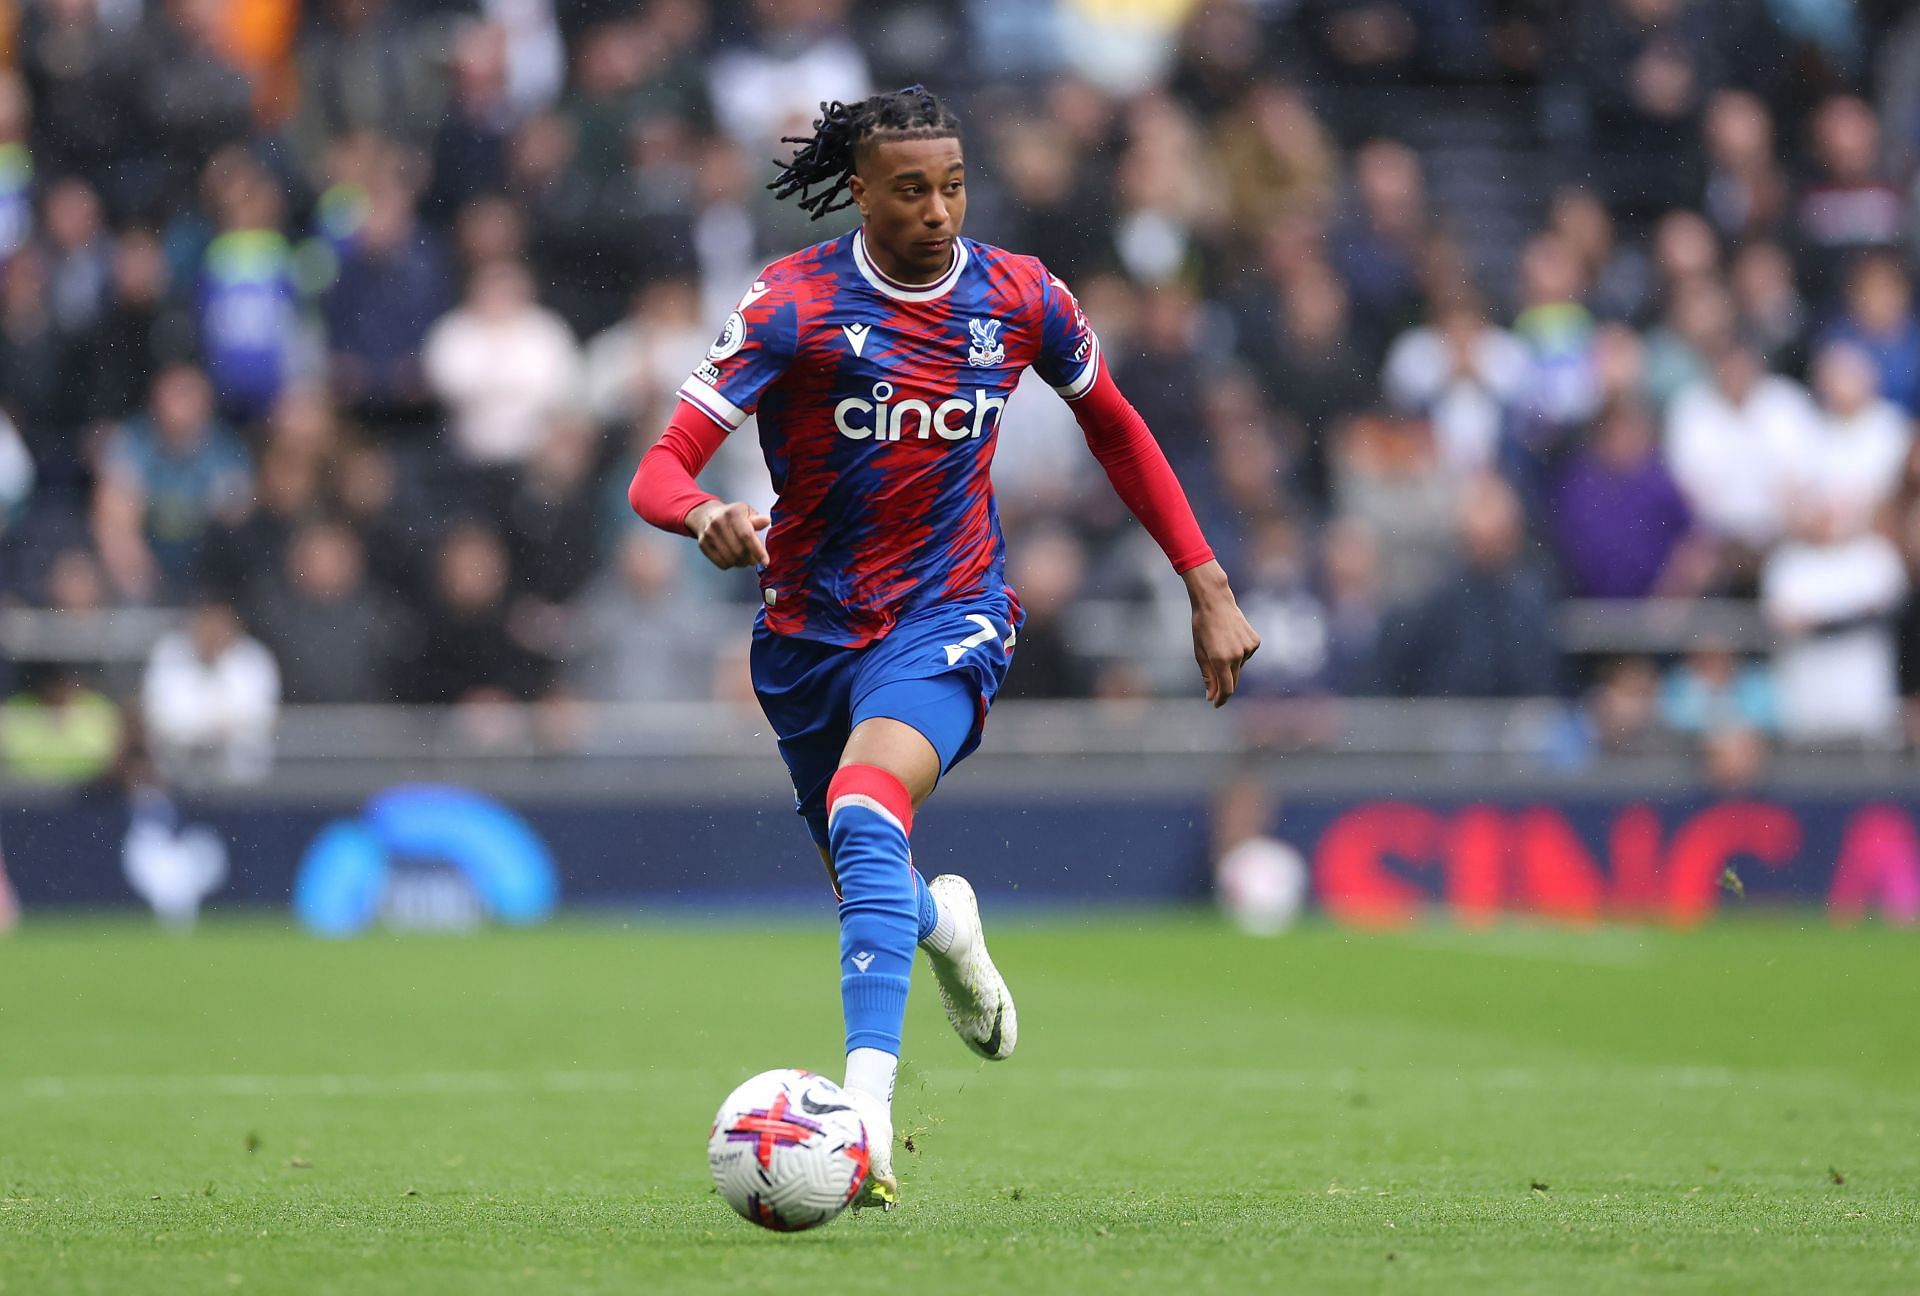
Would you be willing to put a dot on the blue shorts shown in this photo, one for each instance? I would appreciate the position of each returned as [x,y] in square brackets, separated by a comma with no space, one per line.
[937,670]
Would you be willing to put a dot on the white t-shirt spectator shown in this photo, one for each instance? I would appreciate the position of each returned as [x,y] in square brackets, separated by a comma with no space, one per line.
[220,711]
[502,377]
[1732,461]
[1853,464]
[759,94]
[1468,408]
[1832,605]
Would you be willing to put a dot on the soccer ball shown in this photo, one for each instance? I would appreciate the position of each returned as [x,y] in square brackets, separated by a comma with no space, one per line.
[1262,883]
[788,1151]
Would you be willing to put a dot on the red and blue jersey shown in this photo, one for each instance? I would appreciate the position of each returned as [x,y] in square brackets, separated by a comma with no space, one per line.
[879,406]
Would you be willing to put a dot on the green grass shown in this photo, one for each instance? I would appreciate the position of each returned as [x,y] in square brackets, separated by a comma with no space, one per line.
[248,1110]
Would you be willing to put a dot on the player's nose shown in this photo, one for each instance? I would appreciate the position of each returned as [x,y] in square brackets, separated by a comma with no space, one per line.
[936,214]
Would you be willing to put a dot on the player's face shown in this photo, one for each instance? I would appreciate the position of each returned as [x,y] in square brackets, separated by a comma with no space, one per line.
[912,196]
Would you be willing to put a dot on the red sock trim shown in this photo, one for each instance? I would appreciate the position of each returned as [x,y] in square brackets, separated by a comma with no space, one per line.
[875,785]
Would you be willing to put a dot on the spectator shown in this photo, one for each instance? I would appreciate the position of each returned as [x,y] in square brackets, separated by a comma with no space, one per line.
[75,584]
[1378,248]
[489,229]
[1852,462]
[363,67]
[469,151]
[244,555]
[1277,157]
[1897,74]
[727,235]
[1253,460]
[58,730]
[76,68]
[1350,578]
[1163,369]
[641,636]
[554,203]
[1879,320]
[139,330]
[211,698]
[1729,442]
[1746,194]
[38,379]
[1648,67]
[1851,206]
[536,61]
[1698,325]
[1562,388]
[1768,303]
[1685,250]
[185,101]
[1487,631]
[1042,473]
[392,285]
[1055,198]
[1315,368]
[1387,476]
[1619,520]
[772,84]
[552,518]
[16,167]
[248,304]
[468,652]
[79,255]
[1713,691]
[335,638]
[1048,573]
[165,478]
[1618,716]
[502,366]
[633,369]
[1168,197]
[1831,598]
[1464,375]
[638,228]
[1619,278]
[1282,605]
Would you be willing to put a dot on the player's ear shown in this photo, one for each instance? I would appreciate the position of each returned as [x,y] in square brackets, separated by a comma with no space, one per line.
[858,188]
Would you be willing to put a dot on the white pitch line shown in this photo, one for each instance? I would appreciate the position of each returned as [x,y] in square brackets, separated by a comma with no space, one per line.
[333,1085]
[85,1088]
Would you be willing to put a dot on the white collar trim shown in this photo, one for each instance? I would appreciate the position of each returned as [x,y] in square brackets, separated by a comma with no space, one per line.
[908,292]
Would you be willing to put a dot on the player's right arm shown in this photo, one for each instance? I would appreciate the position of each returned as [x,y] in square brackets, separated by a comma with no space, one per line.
[754,348]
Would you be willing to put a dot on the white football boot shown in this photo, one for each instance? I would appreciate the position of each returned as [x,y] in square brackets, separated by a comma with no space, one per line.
[974,993]
[881,1188]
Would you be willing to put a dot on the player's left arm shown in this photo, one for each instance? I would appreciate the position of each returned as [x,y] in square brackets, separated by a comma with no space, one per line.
[1069,360]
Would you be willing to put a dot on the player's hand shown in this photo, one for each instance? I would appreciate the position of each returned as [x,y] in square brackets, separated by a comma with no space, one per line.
[729,534]
[1222,639]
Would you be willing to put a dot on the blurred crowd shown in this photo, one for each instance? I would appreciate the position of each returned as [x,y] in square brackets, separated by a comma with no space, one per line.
[342,323]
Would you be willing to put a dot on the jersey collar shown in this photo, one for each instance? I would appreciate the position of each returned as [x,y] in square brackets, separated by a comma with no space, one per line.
[908,292]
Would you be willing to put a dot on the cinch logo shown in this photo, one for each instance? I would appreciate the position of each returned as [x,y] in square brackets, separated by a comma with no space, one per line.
[884,420]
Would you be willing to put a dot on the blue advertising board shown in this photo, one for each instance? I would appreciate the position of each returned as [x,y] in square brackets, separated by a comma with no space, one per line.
[1373,861]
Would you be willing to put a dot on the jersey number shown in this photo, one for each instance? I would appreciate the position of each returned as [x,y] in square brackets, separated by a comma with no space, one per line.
[985,634]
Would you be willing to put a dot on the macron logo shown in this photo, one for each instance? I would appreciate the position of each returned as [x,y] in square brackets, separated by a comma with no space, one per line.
[863,960]
[856,336]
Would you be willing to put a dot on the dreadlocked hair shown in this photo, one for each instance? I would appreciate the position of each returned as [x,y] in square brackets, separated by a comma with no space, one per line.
[820,166]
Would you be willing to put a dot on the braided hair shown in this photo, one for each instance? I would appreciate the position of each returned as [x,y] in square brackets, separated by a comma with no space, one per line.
[820,166]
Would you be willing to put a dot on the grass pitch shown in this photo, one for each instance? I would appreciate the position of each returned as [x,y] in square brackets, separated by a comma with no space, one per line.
[250,1110]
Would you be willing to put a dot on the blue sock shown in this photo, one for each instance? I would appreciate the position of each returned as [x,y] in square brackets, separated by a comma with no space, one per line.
[929,908]
[869,816]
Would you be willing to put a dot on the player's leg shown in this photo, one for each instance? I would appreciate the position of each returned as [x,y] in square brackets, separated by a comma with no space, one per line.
[887,769]
[946,711]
